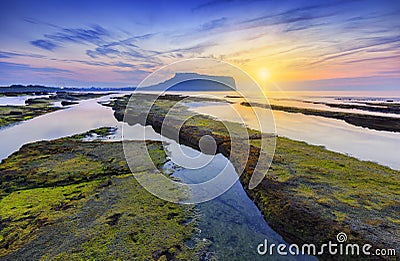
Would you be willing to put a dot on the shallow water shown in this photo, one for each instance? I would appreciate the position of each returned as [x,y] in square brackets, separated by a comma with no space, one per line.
[307,105]
[76,119]
[19,100]
[303,99]
[232,221]
[336,135]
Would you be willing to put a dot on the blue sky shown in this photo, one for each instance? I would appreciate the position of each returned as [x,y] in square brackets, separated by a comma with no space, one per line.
[322,44]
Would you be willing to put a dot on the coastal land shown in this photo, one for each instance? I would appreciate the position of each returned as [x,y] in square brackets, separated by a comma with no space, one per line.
[69,198]
[10,114]
[309,194]
[74,198]
[384,107]
[381,123]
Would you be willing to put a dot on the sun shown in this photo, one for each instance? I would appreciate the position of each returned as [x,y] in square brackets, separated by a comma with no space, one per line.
[264,74]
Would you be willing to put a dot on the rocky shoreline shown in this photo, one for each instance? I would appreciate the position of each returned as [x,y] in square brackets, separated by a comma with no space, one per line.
[310,194]
[10,114]
[69,199]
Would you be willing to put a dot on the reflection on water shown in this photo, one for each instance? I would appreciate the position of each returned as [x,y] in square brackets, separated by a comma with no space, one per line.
[19,100]
[309,105]
[231,221]
[77,119]
[336,135]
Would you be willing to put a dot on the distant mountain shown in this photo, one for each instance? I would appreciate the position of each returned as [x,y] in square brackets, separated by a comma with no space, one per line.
[17,88]
[194,82]
[180,82]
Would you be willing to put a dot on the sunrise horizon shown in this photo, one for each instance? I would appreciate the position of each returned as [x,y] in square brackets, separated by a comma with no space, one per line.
[298,45]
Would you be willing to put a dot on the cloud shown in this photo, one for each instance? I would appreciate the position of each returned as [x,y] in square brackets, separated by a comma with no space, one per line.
[39,22]
[211,4]
[8,54]
[125,65]
[296,19]
[94,34]
[4,54]
[26,67]
[213,24]
[44,44]
[371,44]
[137,53]
[390,72]
[125,49]
[391,57]
[102,51]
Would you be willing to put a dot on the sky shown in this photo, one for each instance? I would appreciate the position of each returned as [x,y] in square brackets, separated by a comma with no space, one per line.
[312,45]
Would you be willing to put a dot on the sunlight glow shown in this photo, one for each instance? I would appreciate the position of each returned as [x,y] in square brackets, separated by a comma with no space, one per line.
[264,74]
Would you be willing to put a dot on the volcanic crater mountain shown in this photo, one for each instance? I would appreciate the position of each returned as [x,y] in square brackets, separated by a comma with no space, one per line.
[195,82]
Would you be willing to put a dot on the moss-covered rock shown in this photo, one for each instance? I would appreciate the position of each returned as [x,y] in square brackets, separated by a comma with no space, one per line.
[70,199]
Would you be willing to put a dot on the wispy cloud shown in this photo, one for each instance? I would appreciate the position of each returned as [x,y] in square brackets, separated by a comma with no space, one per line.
[11,54]
[44,44]
[211,4]
[294,19]
[297,39]
[122,52]
[94,34]
[39,22]
[391,57]
[216,23]
[8,54]
[26,67]
[374,44]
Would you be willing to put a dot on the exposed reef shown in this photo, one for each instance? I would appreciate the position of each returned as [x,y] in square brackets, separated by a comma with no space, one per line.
[380,123]
[76,200]
[10,114]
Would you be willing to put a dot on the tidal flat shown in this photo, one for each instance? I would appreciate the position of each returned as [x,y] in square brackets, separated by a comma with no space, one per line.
[75,199]
[11,114]
[380,123]
[309,194]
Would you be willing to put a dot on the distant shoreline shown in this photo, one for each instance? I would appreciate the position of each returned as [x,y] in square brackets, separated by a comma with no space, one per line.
[30,89]
[380,123]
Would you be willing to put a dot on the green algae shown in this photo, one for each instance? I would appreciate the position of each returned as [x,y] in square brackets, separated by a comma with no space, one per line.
[39,106]
[13,114]
[24,212]
[70,199]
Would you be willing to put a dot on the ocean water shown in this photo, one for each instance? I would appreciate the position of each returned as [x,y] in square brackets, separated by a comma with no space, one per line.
[336,135]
